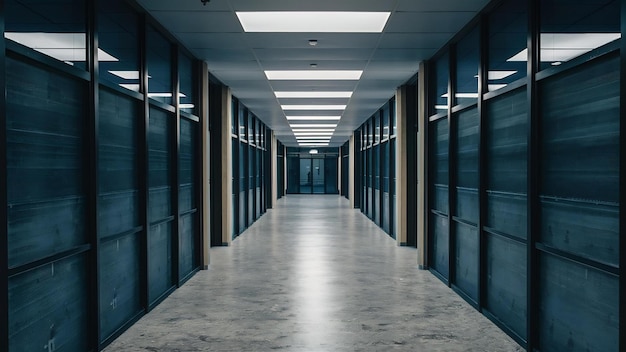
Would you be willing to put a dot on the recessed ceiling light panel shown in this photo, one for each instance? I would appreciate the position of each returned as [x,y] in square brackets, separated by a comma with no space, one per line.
[313,118]
[321,75]
[318,125]
[313,21]
[313,107]
[313,94]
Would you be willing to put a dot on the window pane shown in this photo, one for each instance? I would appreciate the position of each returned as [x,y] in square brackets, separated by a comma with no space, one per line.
[243,113]
[159,67]
[377,127]
[573,28]
[234,116]
[386,121]
[467,55]
[55,28]
[187,97]
[251,119]
[439,101]
[508,33]
[118,28]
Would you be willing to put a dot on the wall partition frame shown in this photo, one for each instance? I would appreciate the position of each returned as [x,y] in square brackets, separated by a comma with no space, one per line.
[525,209]
[250,152]
[99,172]
[376,158]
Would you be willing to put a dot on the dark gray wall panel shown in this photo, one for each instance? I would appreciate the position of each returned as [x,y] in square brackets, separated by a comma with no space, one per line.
[467,265]
[506,213]
[441,241]
[118,188]
[187,245]
[578,307]
[580,168]
[187,164]
[41,229]
[48,307]
[119,283]
[506,282]
[580,133]
[467,204]
[591,231]
[159,260]
[45,115]
[160,203]
[507,142]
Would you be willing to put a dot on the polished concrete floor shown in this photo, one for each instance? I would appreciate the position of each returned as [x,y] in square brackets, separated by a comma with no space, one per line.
[314,275]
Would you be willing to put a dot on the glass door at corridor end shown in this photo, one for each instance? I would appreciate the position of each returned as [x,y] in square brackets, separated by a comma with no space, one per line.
[312,178]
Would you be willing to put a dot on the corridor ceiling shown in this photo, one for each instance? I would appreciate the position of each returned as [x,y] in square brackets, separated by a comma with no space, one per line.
[415,30]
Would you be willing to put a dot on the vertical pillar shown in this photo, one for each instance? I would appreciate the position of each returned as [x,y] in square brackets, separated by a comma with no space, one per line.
[4,252]
[351,158]
[175,174]
[91,162]
[206,166]
[274,156]
[532,269]
[422,182]
[622,196]
[401,166]
[227,168]
[339,174]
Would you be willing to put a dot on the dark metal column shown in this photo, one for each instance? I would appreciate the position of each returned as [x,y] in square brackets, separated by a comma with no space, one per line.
[533,224]
[174,172]
[4,252]
[482,162]
[452,166]
[91,161]
[144,165]
[622,188]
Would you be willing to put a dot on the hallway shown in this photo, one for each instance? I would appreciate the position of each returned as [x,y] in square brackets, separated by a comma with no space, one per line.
[314,275]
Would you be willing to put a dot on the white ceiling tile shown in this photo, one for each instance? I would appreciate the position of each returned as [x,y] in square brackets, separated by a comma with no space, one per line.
[198,21]
[428,22]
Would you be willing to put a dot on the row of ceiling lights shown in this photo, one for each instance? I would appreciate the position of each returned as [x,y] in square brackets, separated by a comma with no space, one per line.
[317,128]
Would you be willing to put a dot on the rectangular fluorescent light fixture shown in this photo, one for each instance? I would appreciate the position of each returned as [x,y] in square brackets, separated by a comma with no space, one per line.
[441,107]
[496,75]
[463,95]
[558,47]
[314,75]
[314,130]
[61,46]
[313,133]
[126,74]
[164,95]
[313,137]
[313,118]
[186,106]
[313,21]
[313,107]
[493,87]
[313,144]
[313,94]
[320,125]
[130,86]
